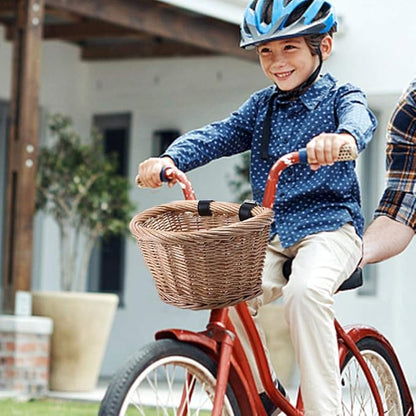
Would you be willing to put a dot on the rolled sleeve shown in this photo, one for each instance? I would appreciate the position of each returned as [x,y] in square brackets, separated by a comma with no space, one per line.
[398,205]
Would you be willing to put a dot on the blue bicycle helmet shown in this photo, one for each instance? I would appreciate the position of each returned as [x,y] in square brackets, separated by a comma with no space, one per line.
[267,20]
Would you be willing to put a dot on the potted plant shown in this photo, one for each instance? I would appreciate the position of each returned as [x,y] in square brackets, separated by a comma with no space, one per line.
[78,186]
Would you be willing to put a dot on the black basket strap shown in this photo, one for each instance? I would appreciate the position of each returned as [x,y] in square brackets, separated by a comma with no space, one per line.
[204,209]
[245,209]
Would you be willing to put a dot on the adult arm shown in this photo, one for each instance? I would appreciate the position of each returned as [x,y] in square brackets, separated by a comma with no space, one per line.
[385,238]
[395,223]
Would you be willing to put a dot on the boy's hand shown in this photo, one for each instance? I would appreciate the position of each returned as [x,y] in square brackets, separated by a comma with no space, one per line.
[149,171]
[324,149]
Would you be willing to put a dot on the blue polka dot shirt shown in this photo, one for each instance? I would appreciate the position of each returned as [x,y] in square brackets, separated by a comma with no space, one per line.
[307,202]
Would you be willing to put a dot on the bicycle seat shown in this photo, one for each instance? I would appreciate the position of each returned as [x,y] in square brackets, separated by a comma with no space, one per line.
[354,281]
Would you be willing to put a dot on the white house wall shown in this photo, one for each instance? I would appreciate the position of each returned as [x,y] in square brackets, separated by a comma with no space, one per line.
[376,44]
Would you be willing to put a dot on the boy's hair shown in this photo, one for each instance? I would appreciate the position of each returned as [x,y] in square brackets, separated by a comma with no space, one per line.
[314,41]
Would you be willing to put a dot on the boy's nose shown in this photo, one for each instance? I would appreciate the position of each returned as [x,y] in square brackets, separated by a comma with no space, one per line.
[278,61]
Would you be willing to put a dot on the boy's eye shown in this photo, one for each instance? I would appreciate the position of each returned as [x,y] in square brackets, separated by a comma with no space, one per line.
[289,47]
[264,51]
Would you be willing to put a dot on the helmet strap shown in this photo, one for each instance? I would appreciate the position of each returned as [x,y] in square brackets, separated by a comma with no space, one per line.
[299,90]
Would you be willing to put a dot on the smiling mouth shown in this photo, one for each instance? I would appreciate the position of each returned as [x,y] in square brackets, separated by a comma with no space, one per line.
[283,75]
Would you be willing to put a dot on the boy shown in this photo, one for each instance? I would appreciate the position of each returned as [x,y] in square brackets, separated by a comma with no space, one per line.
[318,221]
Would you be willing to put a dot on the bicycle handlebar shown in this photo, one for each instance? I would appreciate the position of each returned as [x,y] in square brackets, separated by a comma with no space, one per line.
[346,153]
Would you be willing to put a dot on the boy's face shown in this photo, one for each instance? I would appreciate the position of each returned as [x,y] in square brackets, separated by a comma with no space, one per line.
[289,62]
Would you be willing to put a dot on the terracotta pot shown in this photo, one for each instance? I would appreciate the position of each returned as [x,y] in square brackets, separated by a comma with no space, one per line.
[82,324]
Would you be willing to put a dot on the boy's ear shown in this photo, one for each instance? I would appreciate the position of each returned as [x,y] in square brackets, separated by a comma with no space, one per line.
[326,47]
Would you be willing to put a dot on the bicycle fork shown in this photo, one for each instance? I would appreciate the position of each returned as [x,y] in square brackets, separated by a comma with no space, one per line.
[225,339]
[219,334]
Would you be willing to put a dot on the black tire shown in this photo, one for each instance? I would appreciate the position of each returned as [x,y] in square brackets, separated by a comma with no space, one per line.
[148,380]
[357,397]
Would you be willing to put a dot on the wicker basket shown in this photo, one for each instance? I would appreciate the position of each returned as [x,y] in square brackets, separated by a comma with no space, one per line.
[203,262]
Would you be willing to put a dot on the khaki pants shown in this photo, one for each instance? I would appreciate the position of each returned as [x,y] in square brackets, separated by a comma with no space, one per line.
[322,262]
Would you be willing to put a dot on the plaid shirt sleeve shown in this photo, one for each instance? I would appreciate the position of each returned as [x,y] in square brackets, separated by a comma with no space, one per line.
[399,198]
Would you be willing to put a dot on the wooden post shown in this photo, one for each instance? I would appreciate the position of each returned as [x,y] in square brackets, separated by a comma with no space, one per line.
[23,141]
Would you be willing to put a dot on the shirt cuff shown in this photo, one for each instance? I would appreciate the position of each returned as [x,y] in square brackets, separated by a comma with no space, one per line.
[354,133]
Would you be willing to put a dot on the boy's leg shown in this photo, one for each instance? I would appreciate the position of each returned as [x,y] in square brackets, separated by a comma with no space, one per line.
[323,261]
[272,283]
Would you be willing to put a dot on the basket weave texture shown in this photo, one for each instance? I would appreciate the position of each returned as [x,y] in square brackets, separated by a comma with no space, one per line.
[203,262]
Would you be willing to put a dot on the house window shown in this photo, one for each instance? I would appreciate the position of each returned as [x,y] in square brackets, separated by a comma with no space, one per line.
[107,263]
[162,140]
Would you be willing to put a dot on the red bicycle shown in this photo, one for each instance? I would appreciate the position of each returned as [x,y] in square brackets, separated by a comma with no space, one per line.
[200,373]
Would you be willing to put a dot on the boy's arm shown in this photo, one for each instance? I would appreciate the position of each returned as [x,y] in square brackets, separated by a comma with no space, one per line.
[222,138]
[354,116]
[356,125]
[198,147]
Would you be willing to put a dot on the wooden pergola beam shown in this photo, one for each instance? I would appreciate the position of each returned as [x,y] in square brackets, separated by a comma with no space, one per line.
[22,149]
[82,31]
[142,50]
[158,20]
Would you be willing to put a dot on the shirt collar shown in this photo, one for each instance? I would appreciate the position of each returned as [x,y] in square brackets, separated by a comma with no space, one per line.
[315,93]
[318,91]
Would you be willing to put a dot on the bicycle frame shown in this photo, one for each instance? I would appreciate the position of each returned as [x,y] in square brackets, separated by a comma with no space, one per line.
[220,341]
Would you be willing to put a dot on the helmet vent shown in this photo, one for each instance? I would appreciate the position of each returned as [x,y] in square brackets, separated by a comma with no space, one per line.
[266,13]
[298,12]
[322,12]
[253,4]
[245,27]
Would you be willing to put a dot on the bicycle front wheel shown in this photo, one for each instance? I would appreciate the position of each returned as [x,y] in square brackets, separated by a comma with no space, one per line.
[357,398]
[166,377]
